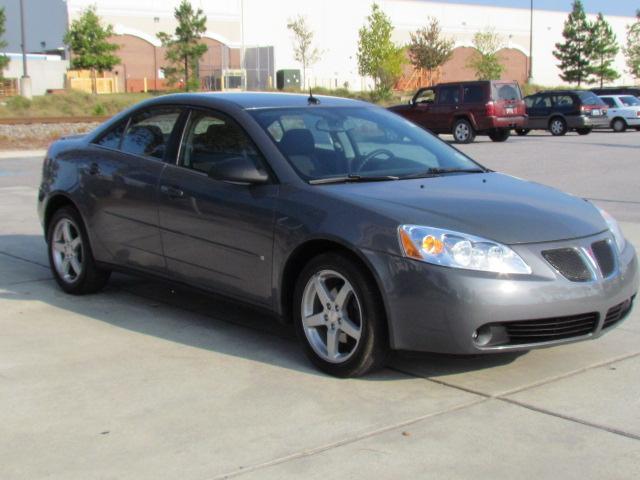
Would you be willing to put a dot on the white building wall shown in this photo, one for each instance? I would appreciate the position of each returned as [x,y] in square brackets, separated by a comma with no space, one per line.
[336,24]
[46,71]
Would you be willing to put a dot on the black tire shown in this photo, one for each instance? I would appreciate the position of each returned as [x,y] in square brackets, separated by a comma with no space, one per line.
[637,128]
[91,278]
[364,355]
[583,131]
[558,126]
[521,132]
[619,125]
[500,135]
[463,131]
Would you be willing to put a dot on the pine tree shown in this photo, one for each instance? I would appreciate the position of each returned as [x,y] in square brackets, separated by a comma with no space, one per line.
[632,52]
[183,48]
[573,53]
[88,40]
[603,47]
[429,49]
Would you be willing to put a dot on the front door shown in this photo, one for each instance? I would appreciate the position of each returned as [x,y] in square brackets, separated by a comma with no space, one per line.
[122,176]
[215,234]
[421,110]
[540,111]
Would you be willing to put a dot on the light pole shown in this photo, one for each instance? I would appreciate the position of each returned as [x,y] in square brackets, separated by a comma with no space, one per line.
[25,80]
[531,44]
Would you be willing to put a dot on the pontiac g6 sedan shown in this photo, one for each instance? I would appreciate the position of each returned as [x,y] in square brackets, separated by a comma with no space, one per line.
[361,228]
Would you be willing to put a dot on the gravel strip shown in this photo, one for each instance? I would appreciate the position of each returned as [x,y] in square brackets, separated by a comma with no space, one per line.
[38,135]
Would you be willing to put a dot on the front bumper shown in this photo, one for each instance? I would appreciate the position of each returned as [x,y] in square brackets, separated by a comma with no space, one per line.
[439,309]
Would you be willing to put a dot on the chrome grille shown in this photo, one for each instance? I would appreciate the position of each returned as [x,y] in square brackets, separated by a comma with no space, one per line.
[604,255]
[569,263]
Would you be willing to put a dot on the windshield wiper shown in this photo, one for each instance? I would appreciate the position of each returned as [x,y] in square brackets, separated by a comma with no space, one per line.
[434,172]
[353,178]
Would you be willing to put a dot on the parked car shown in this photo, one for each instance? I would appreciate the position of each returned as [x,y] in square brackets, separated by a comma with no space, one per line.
[467,109]
[365,231]
[634,91]
[624,111]
[561,111]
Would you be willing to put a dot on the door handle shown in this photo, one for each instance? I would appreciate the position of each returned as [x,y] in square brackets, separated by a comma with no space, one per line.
[171,192]
[94,169]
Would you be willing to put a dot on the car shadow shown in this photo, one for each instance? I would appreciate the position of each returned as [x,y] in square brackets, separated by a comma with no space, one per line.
[212,322]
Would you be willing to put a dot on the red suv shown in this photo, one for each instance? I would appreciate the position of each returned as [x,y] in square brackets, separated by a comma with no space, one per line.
[466,109]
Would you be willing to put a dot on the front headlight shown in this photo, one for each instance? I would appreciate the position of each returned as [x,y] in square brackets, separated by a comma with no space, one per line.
[614,228]
[459,250]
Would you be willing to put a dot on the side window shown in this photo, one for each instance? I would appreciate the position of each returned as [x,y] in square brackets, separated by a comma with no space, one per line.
[149,132]
[543,101]
[425,96]
[449,95]
[529,101]
[609,101]
[211,138]
[112,138]
[564,101]
[473,94]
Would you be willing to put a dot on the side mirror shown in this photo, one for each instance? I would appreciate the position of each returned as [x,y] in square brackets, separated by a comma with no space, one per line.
[240,170]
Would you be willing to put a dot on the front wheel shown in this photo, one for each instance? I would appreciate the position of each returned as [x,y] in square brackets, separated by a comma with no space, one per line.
[500,135]
[70,255]
[463,131]
[339,317]
[583,131]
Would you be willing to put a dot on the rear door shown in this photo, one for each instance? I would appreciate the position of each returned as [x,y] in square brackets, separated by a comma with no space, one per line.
[474,101]
[217,235]
[122,180]
[446,105]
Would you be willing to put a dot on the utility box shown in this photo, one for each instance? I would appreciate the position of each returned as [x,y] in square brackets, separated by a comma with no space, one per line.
[288,79]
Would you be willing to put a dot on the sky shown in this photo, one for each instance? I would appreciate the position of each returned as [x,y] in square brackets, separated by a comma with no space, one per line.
[608,7]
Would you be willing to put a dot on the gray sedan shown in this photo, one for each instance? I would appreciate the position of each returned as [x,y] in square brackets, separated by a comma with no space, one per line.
[366,232]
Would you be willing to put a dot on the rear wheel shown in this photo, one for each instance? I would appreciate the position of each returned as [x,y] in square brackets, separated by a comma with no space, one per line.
[558,126]
[70,255]
[463,131]
[521,132]
[619,125]
[339,317]
[583,131]
[500,135]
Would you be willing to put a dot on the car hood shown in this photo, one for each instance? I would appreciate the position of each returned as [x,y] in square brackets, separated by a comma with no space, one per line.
[490,205]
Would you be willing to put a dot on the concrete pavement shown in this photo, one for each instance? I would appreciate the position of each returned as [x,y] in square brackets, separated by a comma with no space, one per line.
[146,382]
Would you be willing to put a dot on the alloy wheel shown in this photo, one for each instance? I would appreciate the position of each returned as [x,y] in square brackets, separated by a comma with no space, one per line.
[331,316]
[462,132]
[557,127]
[67,250]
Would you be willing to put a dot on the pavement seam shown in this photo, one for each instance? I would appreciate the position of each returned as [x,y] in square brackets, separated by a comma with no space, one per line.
[323,448]
[16,257]
[570,418]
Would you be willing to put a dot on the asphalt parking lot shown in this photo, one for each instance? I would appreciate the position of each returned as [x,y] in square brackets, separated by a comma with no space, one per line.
[146,382]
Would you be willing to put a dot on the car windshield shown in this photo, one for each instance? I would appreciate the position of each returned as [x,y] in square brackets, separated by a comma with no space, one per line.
[630,101]
[358,142]
[590,98]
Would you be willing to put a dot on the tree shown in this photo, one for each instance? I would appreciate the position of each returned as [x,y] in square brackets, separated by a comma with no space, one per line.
[603,49]
[88,40]
[304,51]
[632,52]
[4,60]
[378,56]
[184,49]
[429,49]
[573,53]
[485,61]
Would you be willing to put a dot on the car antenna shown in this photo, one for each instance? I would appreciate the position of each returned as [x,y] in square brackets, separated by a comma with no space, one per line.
[312,100]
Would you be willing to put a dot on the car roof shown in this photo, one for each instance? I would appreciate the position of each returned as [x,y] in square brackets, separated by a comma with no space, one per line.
[256,100]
